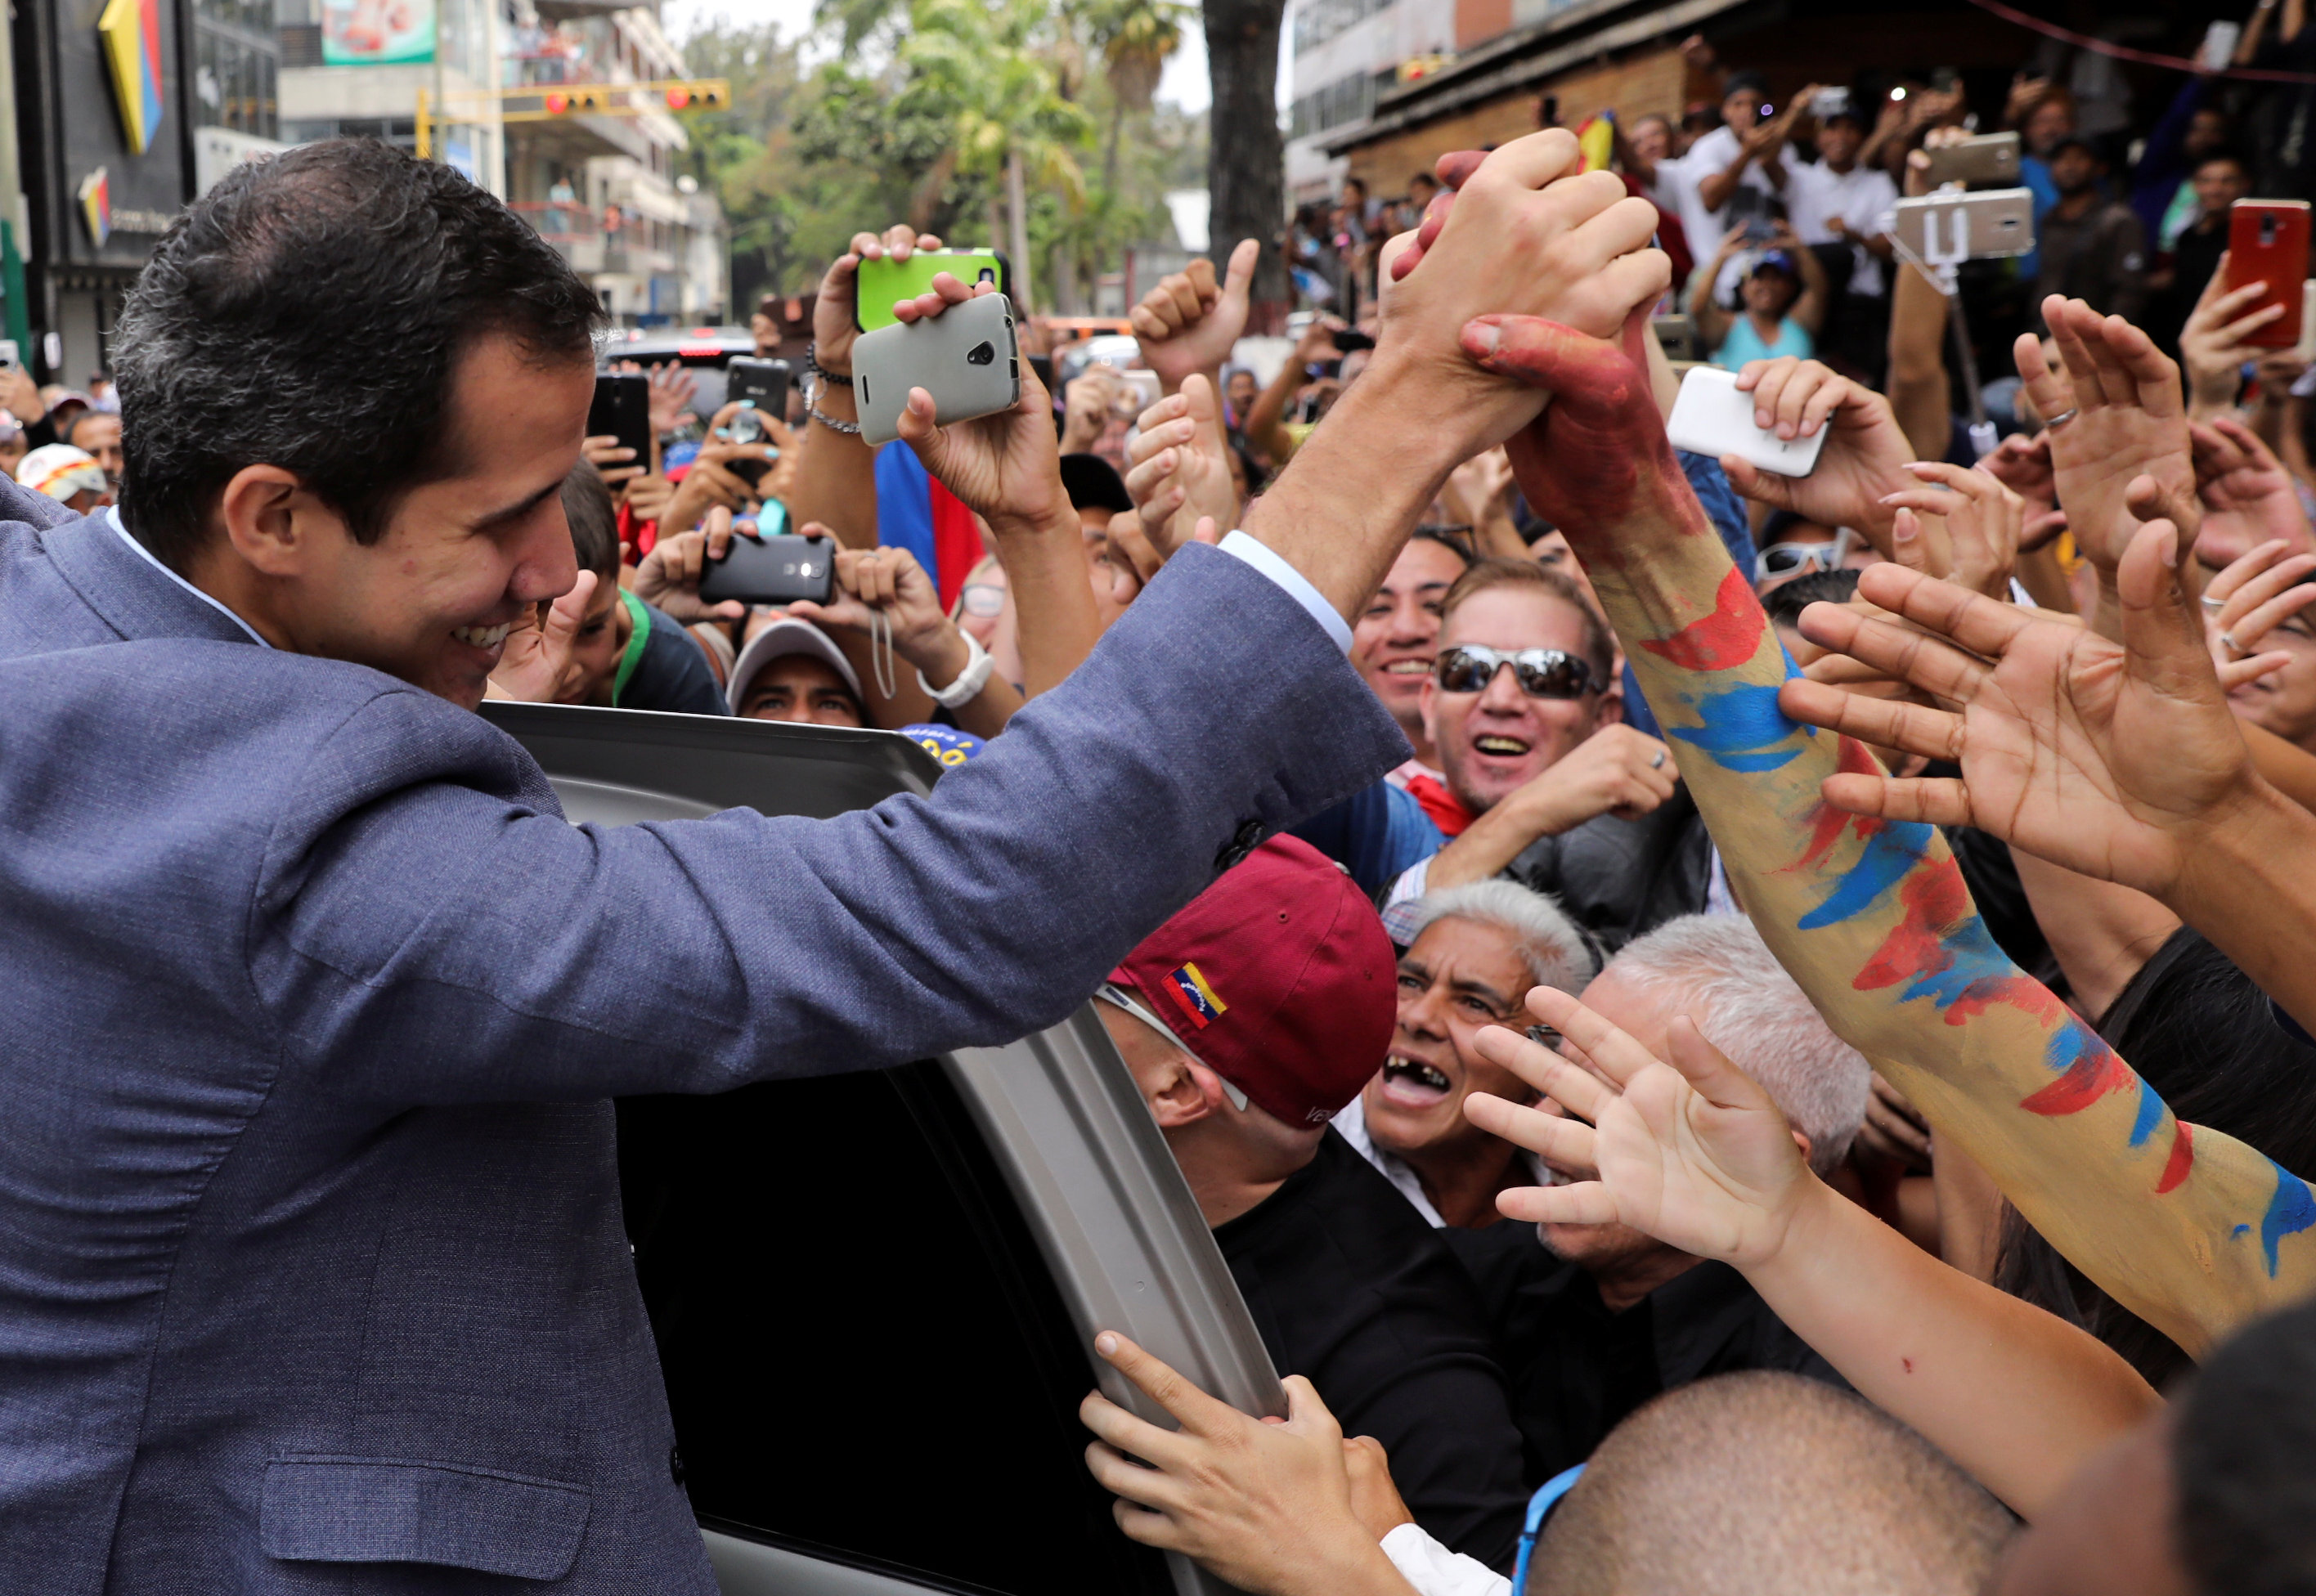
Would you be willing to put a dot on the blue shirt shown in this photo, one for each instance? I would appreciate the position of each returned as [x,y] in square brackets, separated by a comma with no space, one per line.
[1744,345]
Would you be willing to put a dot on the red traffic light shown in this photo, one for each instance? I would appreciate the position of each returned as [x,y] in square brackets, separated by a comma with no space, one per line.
[559,104]
[677,99]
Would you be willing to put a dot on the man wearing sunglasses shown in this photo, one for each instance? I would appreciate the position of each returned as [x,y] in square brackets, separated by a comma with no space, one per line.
[1523,706]
[1792,546]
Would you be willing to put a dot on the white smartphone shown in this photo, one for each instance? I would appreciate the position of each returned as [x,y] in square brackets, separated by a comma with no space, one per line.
[1711,417]
[1979,224]
[964,358]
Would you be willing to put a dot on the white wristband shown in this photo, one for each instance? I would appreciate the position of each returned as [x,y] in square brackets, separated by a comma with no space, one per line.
[969,681]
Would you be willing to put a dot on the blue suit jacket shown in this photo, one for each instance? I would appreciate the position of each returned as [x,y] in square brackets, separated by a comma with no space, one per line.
[312,1273]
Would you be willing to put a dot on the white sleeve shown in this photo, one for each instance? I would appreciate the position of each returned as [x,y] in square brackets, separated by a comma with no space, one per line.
[1434,1571]
[1274,566]
[1413,883]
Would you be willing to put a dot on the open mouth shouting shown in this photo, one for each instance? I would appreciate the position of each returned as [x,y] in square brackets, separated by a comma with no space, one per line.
[1413,1084]
[1496,745]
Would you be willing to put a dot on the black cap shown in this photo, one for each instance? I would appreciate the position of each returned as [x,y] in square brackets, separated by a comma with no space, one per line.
[1093,483]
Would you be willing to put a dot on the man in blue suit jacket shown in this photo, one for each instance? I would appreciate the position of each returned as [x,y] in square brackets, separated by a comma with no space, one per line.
[312,1274]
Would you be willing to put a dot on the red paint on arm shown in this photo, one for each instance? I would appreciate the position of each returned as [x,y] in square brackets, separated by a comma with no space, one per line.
[1934,900]
[2182,1159]
[2018,991]
[2089,1079]
[1729,636]
[1827,822]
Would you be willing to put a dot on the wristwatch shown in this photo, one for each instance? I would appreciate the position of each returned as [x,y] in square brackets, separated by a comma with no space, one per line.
[969,681]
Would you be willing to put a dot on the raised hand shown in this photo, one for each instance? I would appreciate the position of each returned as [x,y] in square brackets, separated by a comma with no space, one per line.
[711,480]
[1188,323]
[1086,403]
[2247,494]
[2116,760]
[673,390]
[832,329]
[2023,465]
[615,465]
[2246,601]
[1688,1150]
[536,665]
[1004,467]
[1981,521]
[1864,459]
[669,576]
[889,581]
[1179,473]
[2119,446]
[2212,345]
[1266,1506]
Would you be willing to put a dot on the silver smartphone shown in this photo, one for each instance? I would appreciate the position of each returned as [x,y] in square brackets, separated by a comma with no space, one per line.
[1976,226]
[1989,158]
[964,358]
[1711,417]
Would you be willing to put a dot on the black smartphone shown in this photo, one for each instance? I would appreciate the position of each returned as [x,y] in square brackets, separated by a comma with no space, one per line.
[764,387]
[1351,338]
[772,571]
[623,410]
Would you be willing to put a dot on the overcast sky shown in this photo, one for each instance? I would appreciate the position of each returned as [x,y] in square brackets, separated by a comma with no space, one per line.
[1184,81]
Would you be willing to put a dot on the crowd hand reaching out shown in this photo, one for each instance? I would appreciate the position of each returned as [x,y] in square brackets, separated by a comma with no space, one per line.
[1616,771]
[1267,1506]
[2115,759]
[20,396]
[615,465]
[648,497]
[1863,462]
[1893,1128]
[669,576]
[2023,465]
[888,581]
[711,482]
[1521,232]
[1190,322]
[1980,519]
[2247,494]
[833,328]
[1177,471]
[1006,466]
[1088,400]
[2212,344]
[673,390]
[2120,451]
[536,664]
[2248,601]
[1135,559]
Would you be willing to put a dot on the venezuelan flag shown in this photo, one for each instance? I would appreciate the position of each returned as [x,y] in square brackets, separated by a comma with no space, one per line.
[1198,997]
[1597,140]
[130,31]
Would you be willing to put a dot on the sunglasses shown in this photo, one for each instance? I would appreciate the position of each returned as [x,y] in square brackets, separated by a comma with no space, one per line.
[1787,559]
[1541,673]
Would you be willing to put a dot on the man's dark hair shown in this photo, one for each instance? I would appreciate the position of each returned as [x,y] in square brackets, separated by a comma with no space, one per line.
[594,522]
[2244,1462]
[309,313]
[1743,82]
[1787,600]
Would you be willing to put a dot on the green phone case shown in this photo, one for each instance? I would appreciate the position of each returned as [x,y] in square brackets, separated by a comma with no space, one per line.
[879,285]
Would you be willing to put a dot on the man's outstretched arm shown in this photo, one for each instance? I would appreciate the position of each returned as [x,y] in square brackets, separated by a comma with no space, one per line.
[2190,1230]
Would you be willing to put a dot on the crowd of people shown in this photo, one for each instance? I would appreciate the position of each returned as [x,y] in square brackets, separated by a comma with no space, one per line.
[1758,1045]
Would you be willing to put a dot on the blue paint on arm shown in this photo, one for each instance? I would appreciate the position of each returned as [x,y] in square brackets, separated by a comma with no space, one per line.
[2291,1210]
[1888,855]
[1742,728]
[2150,1114]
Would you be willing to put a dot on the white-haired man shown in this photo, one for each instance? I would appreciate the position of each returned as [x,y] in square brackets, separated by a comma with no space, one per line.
[1601,1318]
[1473,953]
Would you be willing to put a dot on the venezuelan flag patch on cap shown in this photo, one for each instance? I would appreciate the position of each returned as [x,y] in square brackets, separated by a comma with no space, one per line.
[1198,997]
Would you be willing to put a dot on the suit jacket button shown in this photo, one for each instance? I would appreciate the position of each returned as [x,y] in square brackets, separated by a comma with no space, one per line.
[676,1464]
[1244,841]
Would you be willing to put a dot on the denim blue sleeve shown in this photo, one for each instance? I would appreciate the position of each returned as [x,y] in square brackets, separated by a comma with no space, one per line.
[1376,834]
[1726,511]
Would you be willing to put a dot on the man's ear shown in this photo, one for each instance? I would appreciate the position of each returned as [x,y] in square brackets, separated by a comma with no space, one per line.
[1184,1093]
[1426,700]
[1611,712]
[1802,1140]
[272,521]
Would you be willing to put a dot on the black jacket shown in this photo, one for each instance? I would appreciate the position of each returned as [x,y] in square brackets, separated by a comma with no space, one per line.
[1621,879]
[1355,1292]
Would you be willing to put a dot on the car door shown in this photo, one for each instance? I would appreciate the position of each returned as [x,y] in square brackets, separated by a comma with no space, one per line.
[875,1292]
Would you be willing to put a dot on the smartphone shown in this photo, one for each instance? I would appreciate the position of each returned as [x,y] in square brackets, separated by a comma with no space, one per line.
[1830,102]
[761,386]
[879,285]
[1144,386]
[623,410]
[1351,338]
[1984,224]
[1677,336]
[966,357]
[771,571]
[2268,242]
[1990,158]
[9,360]
[1712,418]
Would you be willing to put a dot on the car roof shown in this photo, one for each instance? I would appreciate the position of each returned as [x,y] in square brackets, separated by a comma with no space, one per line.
[694,346]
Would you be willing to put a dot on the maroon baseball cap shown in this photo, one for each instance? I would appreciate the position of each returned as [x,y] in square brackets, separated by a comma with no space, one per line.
[1279,978]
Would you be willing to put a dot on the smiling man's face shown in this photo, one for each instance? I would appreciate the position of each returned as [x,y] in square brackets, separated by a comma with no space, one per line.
[1392,643]
[1459,976]
[1492,741]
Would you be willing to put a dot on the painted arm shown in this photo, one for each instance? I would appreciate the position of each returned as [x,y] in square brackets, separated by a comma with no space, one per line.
[1869,913]
[1694,1153]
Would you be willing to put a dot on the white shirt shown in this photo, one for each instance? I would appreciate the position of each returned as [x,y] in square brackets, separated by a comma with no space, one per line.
[1352,1122]
[1710,157]
[112,520]
[1434,1571]
[1815,194]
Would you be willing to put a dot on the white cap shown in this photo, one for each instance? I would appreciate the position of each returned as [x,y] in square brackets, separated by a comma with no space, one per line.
[60,471]
[778,641]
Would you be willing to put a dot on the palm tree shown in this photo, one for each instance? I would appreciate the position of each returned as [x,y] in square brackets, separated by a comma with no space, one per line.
[1134,38]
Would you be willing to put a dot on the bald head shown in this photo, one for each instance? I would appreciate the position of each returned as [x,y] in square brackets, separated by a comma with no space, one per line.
[1769,1484]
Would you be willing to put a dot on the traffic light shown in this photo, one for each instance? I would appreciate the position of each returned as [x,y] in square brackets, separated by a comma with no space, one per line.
[579,99]
[705,93]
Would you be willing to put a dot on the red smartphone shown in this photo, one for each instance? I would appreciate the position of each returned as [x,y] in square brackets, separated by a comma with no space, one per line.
[2268,242]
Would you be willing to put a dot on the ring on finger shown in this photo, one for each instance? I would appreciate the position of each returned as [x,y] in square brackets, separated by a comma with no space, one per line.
[2061,419]
[2212,604]
[1657,762]
[2234,647]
